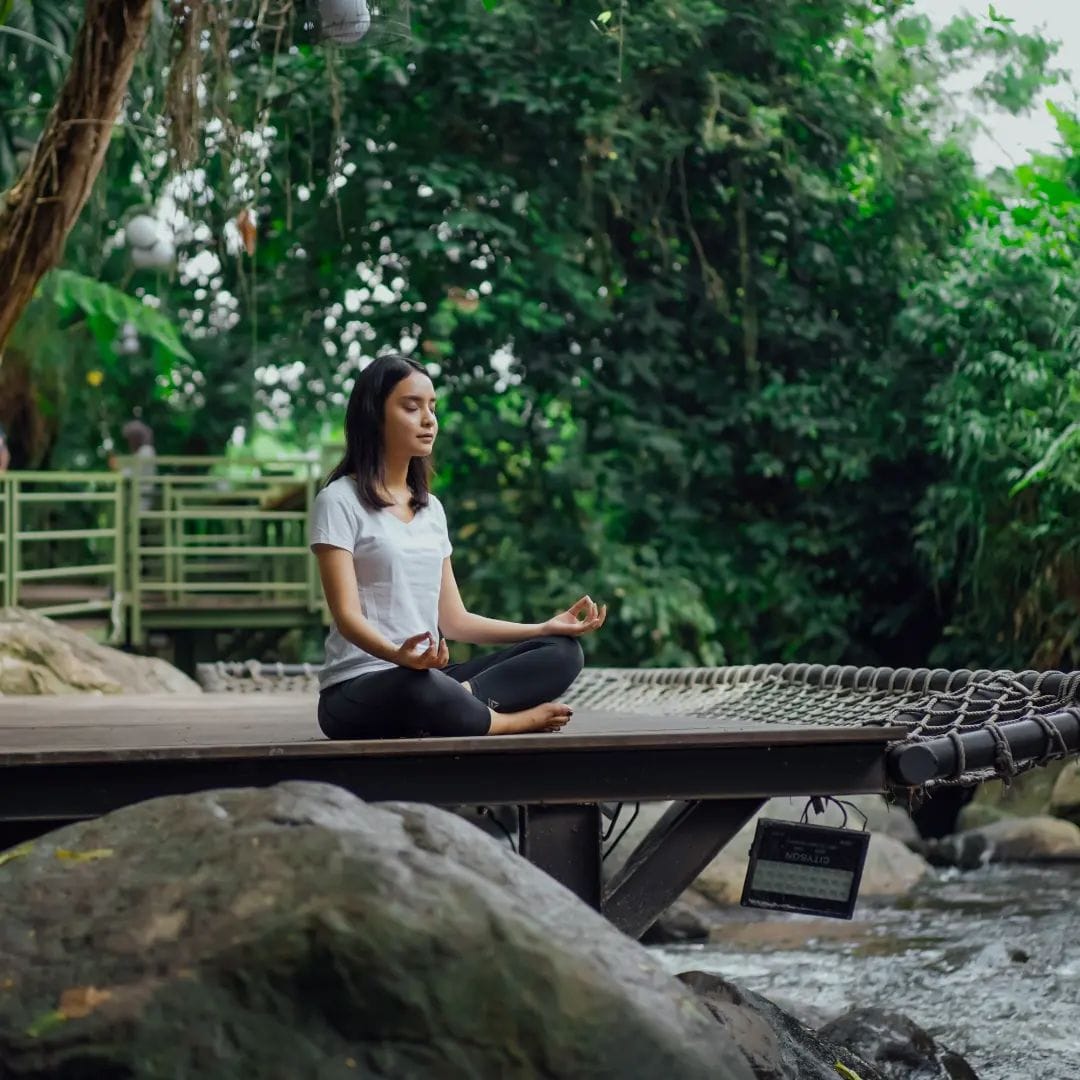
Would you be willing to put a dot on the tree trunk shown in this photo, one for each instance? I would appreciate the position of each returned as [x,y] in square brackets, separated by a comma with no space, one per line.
[38,212]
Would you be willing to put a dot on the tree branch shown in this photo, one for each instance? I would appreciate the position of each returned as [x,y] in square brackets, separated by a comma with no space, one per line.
[39,210]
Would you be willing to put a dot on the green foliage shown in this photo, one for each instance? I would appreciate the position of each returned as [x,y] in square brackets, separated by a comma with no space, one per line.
[67,343]
[31,68]
[999,526]
[771,359]
[107,310]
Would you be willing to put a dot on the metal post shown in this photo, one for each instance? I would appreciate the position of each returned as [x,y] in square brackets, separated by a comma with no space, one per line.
[169,529]
[678,847]
[14,562]
[134,554]
[313,595]
[118,630]
[5,566]
[564,841]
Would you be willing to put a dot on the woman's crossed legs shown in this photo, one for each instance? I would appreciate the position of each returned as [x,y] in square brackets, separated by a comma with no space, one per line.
[509,691]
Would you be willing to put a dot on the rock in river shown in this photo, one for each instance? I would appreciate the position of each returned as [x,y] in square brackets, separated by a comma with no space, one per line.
[1065,796]
[297,931]
[1031,839]
[897,1046]
[778,1046]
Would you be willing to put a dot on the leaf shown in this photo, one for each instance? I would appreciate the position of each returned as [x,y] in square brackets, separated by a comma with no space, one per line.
[79,1001]
[604,17]
[73,292]
[84,856]
[16,852]
[46,1022]
[1039,470]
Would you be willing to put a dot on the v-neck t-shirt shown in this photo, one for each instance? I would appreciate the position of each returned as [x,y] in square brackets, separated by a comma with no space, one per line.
[398,572]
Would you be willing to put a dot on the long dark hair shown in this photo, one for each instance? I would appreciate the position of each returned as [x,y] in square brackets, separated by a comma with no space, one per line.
[364,421]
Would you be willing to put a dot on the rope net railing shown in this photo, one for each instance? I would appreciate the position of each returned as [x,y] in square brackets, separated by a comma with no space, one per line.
[930,704]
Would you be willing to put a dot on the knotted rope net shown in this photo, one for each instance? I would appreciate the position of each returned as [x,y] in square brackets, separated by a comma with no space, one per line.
[927,702]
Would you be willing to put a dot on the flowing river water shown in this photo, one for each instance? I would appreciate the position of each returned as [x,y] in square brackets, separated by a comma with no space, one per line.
[988,961]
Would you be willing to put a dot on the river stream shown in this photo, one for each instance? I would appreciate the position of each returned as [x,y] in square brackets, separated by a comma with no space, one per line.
[988,961]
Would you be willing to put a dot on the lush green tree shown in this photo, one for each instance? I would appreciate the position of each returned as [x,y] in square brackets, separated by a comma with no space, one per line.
[664,265]
[998,526]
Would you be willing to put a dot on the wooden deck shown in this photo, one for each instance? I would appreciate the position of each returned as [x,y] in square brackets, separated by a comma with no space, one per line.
[78,756]
[85,728]
[64,758]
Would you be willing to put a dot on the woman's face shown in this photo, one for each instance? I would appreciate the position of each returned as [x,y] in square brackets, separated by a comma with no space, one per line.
[410,424]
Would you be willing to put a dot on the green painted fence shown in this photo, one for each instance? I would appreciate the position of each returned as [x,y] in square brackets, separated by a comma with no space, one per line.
[199,541]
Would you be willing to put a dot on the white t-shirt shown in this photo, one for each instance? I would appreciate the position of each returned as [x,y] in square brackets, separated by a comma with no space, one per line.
[398,572]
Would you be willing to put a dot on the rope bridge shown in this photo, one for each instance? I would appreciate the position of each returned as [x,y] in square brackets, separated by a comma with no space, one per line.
[962,727]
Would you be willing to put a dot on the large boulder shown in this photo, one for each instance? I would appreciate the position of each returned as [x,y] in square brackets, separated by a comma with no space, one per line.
[297,931]
[891,869]
[1024,795]
[1030,839]
[778,1046]
[1065,796]
[881,816]
[896,1045]
[39,656]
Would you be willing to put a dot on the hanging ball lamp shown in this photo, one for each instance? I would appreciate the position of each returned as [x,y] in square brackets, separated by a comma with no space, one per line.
[150,246]
[344,21]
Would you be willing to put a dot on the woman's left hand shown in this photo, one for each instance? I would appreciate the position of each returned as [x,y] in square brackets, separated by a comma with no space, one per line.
[568,623]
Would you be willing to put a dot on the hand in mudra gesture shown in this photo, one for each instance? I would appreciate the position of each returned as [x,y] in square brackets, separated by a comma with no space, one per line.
[569,624]
[406,655]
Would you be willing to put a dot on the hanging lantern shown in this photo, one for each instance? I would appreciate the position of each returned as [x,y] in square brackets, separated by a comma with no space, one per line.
[344,21]
[151,248]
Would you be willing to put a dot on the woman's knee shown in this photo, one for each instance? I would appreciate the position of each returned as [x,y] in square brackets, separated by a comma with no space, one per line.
[436,704]
[567,655]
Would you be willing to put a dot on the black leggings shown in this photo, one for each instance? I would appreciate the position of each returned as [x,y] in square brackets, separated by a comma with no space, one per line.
[402,702]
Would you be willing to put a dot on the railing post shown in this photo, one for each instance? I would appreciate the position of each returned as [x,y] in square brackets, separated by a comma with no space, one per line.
[168,533]
[309,559]
[14,560]
[134,561]
[5,565]
[118,614]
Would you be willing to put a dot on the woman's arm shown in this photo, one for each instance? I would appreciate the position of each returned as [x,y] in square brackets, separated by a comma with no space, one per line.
[338,576]
[459,624]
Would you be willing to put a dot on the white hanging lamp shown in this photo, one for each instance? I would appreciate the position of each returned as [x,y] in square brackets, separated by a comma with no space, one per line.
[150,247]
[344,21]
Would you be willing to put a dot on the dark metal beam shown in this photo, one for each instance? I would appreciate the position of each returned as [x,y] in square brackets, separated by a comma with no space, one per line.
[915,763]
[615,772]
[677,848]
[564,842]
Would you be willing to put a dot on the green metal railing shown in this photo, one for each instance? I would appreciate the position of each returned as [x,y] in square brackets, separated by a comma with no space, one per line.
[221,535]
[62,547]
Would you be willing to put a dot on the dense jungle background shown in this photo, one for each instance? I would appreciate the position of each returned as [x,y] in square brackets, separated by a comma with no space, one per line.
[730,331]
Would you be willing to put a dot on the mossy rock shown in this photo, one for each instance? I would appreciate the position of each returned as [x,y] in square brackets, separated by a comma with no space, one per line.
[1065,798]
[1027,795]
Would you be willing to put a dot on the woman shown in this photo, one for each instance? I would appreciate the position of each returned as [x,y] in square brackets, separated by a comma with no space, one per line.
[381,541]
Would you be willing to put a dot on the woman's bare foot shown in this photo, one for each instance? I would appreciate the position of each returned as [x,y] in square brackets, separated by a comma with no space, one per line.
[550,716]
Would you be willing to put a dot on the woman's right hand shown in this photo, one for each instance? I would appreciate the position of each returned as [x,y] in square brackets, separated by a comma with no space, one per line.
[432,657]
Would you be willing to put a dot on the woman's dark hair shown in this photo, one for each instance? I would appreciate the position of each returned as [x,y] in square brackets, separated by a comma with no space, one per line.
[364,421]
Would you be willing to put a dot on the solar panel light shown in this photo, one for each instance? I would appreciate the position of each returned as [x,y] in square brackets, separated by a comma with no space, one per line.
[812,869]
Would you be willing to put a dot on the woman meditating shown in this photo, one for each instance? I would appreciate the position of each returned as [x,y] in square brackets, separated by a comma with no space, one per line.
[383,550]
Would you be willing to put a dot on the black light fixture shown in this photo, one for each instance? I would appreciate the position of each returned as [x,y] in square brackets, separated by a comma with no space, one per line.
[813,869]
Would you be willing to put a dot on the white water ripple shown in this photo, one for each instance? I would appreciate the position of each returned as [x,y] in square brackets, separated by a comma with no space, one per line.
[987,961]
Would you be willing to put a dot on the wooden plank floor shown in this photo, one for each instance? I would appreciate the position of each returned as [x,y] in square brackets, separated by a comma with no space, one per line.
[155,726]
